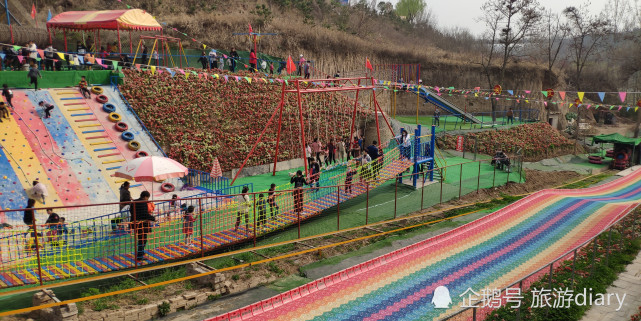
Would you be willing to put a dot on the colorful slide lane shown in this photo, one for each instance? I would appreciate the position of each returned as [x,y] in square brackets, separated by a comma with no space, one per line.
[491,252]
[24,159]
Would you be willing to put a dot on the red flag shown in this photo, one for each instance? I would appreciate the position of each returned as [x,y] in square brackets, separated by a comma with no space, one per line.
[250,28]
[33,11]
[368,64]
[291,66]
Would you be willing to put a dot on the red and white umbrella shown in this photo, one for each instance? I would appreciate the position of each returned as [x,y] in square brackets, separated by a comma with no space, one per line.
[151,168]
[216,171]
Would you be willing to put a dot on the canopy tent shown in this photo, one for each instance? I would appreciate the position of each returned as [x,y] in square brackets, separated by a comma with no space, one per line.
[616,139]
[130,19]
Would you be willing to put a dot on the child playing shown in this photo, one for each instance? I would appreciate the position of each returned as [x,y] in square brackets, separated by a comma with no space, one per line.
[83,87]
[349,177]
[4,113]
[271,199]
[262,210]
[188,225]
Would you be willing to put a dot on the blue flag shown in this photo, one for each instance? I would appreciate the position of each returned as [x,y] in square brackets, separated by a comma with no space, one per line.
[49,15]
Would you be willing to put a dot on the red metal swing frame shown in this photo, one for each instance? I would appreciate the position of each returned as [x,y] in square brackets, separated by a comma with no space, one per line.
[314,86]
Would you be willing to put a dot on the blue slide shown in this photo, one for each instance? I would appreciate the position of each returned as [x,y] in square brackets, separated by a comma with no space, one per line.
[432,97]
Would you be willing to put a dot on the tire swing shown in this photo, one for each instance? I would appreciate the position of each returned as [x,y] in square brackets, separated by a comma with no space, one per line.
[108,108]
[115,117]
[97,90]
[128,136]
[133,145]
[595,159]
[167,187]
[121,127]
[141,153]
[102,99]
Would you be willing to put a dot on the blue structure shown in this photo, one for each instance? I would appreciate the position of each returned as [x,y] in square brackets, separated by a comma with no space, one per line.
[422,152]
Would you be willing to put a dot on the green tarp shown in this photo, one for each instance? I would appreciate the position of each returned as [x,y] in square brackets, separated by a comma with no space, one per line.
[616,138]
[56,79]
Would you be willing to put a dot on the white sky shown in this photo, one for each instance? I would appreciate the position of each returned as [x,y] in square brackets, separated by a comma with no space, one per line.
[465,13]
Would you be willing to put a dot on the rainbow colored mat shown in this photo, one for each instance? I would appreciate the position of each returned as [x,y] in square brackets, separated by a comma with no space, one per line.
[491,252]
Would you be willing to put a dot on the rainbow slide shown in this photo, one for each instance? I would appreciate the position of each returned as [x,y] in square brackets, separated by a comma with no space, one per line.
[491,252]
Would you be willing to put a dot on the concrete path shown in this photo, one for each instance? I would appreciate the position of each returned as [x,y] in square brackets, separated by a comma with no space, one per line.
[629,283]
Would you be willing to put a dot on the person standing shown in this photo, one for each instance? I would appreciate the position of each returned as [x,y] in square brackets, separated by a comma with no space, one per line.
[33,75]
[314,170]
[188,225]
[144,54]
[243,208]
[510,116]
[271,200]
[33,51]
[404,144]
[154,57]
[301,62]
[317,148]
[49,57]
[213,59]
[271,68]
[437,117]
[299,181]
[341,150]
[8,94]
[204,61]
[233,55]
[306,70]
[331,153]
[141,219]
[124,206]
[29,217]
[253,61]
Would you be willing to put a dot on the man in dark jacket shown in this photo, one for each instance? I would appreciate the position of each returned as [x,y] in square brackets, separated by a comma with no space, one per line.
[374,153]
[141,220]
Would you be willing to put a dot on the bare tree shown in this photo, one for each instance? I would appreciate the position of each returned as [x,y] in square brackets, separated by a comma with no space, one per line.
[554,35]
[508,23]
[586,34]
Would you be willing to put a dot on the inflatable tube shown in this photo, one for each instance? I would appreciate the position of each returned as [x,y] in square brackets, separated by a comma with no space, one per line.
[595,158]
[121,127]
[102,99]
[108,108]
[96,90]
[133,145]
[141,153]
[595,161]
[115,117]
[167,187]
[128,136]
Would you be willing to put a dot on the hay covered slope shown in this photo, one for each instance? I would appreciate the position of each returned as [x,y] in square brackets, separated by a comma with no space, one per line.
[196,118]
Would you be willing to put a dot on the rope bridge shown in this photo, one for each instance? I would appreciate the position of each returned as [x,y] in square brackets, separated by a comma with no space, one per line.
[57,252]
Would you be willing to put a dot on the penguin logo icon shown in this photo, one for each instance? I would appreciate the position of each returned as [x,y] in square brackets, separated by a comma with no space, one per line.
[441,298]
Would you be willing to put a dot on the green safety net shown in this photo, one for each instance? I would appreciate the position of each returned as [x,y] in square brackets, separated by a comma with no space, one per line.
[56,79]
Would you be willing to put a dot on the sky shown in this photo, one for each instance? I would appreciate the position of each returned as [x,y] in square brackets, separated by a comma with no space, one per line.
[465,13]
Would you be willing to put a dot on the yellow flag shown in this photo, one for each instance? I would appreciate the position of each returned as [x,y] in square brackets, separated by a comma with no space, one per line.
[527,101]
[580,94]
[61,55]
[215,75]
[570,106]
[204,46]
[636,108]
[186,75]
[153,70]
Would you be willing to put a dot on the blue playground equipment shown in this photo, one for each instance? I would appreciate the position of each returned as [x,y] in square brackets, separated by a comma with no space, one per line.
[422,153]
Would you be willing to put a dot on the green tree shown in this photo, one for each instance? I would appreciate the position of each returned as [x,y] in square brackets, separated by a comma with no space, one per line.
[412,10]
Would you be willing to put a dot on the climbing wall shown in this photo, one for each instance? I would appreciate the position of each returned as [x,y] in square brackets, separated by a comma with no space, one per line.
[74,152]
